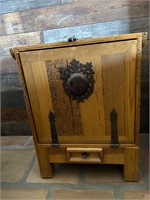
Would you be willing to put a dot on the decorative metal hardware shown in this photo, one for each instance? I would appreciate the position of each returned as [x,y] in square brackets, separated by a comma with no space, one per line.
[78,80]
[114,129]
[85,155]
[77,84]
[72,39]
[53,130]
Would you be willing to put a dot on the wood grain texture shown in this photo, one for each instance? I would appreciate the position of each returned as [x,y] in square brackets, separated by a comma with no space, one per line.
[18,40]
[84,149]
[138,89]
[113,65]
[38,107]
[107,159]
[105,39]
[93,120]
[79,14]
[46,168]
[26,97]
[76,155]
[131,164]
[88,12]
[67,112]
[84,19]
[122,146]
[97,29]
[28,4]
[109,156]
[11,83]
[114,62]
[122,98]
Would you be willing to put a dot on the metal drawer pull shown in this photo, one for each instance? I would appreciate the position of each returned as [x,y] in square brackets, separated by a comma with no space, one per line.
[84,155]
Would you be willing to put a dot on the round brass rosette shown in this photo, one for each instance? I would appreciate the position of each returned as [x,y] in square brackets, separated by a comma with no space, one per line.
[78,80]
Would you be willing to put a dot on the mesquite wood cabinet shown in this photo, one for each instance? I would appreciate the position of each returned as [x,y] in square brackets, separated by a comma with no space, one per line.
[83,100]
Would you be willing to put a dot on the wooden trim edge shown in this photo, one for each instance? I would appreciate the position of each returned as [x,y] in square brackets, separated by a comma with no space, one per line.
[104,39]
[12,53]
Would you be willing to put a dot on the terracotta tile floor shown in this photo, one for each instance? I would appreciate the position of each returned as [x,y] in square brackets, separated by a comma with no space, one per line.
[21,179]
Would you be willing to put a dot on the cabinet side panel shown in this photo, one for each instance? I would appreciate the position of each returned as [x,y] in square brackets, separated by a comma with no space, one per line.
[113,67]
[119,75]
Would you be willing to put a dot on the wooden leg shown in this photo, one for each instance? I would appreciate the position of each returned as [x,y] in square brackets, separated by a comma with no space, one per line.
[131,164]
[46,168]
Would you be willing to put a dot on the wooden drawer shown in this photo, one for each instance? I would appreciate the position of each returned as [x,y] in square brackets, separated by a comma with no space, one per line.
[84,155]
[99,155]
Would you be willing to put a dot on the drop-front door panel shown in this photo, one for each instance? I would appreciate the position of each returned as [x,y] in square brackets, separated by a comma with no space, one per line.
[88,121]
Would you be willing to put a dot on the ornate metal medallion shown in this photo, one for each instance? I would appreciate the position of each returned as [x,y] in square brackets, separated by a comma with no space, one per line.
[78,80]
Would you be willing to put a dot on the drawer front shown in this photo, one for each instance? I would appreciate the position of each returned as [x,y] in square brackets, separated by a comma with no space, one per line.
[100,155]
[84,155]
[58,117]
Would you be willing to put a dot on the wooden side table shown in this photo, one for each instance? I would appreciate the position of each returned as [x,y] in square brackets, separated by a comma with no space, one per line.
[83,100]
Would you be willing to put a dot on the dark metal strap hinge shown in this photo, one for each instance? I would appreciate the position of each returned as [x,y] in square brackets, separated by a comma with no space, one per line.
[53,130]
[114,129]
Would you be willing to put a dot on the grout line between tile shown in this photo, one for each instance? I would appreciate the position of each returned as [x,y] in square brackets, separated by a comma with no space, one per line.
[82,173]
[16,147]
[28,141]
[143,170]
[26,174]
[118,193]
[118,188]
[55,186]
[49,195]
